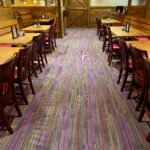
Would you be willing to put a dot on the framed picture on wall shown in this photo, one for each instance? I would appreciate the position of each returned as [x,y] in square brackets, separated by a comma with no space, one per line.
[1,3]
[14,32]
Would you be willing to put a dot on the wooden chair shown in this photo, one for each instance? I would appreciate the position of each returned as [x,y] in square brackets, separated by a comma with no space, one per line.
[100,26]
[7,91]
[137,84]
[54,34]
[146,103]
[35,60]
[97,24]
[126,63]
[114,49]
[49,40]
[41,48]
[23,73]
[105,41]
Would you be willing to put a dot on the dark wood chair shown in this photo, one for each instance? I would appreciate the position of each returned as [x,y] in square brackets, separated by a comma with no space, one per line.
[114,49]
[49,40]
[126,64]
[97,24]
[146,103]
[41,49]
[23,73]
[105,40]
[54,34]
[7,92]
[35,58]
[137,84]
[100,26]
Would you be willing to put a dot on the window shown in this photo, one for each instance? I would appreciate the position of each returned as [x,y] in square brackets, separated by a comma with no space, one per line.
[109,2]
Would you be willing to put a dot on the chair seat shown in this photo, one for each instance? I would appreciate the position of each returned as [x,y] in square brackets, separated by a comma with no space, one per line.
[4,88]
[140,73]
[16,72]
[116,46]
[130,63]
[142,38]
[46,38]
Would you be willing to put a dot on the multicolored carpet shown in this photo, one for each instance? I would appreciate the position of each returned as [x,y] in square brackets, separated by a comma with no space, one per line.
[78,105]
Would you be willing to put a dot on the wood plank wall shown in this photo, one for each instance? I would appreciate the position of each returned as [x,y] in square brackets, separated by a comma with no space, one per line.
[81,14]
[5,13]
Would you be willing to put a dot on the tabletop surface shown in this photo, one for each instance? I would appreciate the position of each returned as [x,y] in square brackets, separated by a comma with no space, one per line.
[24,40]
[117,30]
[143,45]
[7,53]
[111,21]
[35,29]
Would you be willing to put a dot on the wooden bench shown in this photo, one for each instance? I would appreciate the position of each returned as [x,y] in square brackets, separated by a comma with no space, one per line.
[139,23]
[5,26]
[24,19]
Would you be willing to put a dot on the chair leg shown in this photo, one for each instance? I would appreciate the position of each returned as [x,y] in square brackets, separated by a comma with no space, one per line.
[41,57]
[45,57]
[130,92]
[55,42]
[148,137]
[110,60]
[120,73]
[124,81]
[104,43]
[23,94]
[140,100]
[141,114]
[5,121]
[34,70]
[39,64]
[31,85]
[17,107]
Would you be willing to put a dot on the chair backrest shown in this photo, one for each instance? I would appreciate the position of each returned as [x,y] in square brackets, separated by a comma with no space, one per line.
[7,79]
[109,38]
[124,53]
[137,58]
[42,40]
[147,81]
[104,31]
[23,62]
[35,46]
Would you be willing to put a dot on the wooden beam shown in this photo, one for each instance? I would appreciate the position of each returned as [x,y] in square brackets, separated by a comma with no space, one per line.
[84,5]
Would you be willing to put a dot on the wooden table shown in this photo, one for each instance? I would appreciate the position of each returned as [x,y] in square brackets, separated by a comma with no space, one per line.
[20,41]
[110,21]
[39,29]
[7,53]
[117,30]
[143,45]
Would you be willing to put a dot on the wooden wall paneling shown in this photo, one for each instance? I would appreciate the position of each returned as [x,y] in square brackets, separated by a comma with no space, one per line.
[100,12]
[147,15]
[5,13]
[5,26]
[37,12]
[78,13]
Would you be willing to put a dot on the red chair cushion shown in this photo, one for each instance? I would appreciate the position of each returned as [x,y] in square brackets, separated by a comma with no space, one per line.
[116,46]
[4,88]
[142,38]
[140,72]
[46,38]
[6,45]
[130,63]
[16,72]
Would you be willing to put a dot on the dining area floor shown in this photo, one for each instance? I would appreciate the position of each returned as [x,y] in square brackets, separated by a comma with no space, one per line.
[78,104]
